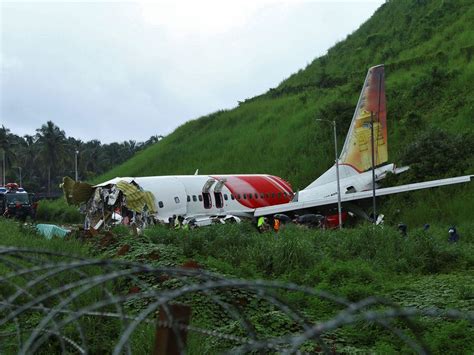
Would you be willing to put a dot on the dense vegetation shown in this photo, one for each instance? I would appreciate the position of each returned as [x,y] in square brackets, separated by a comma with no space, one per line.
[42,160]
[421,270]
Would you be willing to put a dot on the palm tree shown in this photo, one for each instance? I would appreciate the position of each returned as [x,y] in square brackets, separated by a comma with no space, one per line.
[91,158]
[26,159]
[6,143]
[52,144]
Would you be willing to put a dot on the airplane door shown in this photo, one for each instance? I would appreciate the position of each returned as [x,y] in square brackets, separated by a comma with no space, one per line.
[207,201]
[218,194]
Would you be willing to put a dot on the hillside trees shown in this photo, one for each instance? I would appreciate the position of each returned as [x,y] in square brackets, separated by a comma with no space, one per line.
[6,145]
[437,154]
[47,156]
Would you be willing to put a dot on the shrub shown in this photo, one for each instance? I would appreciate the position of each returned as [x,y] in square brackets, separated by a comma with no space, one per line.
[57,211]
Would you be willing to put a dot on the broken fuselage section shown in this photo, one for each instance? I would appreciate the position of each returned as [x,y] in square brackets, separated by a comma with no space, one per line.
[154,199]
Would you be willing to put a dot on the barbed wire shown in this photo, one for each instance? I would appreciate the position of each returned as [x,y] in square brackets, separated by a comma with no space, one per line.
[49,301]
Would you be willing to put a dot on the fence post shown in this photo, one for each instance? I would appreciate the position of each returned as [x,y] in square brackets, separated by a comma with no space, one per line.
[167,340]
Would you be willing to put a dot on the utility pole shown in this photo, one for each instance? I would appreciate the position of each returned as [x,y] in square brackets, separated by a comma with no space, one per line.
[373,165]
[3,166]
[77,152]
[19,169]
[336,160]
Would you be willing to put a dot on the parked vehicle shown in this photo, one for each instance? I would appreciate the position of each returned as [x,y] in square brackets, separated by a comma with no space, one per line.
[15,202]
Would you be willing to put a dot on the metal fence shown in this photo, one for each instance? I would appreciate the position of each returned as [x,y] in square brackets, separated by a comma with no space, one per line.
[52,302]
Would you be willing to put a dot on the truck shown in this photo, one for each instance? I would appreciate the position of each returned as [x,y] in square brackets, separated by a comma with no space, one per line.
[15,202]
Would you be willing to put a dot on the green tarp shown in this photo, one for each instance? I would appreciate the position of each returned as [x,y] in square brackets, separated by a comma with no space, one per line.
[51,230]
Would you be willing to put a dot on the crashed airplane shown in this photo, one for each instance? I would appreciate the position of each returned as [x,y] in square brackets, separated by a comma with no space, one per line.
[364,157]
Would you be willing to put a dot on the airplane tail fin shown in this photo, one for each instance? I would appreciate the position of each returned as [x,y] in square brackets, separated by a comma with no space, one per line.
[356,154]
[357,149]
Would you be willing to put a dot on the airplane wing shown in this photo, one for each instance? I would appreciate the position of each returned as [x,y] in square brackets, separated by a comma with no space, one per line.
[293,206]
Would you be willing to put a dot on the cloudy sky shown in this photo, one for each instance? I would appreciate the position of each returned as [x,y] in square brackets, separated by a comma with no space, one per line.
[128,70]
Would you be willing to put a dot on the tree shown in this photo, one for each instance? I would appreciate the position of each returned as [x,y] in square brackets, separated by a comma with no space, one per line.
[52,148]
[91,158]
[26,159]
[6,149]
[437,154]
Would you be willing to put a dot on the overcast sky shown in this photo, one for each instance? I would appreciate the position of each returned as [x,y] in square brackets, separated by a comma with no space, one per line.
[128,70]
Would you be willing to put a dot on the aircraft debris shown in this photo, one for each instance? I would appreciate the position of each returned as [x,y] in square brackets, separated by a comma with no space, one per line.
[104,206]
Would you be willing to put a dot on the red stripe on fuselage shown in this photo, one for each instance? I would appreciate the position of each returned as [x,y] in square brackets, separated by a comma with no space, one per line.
[258,184]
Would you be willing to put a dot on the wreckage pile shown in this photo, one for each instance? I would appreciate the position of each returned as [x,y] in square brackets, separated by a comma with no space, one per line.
[105,206]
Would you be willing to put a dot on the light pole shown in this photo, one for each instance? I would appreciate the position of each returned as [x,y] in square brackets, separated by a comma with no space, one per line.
[373,164]
[75,164]
[3,166]
[19,169]
[336,159]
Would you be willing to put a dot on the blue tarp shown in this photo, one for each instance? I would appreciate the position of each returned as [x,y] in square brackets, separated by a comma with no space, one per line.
[51,230]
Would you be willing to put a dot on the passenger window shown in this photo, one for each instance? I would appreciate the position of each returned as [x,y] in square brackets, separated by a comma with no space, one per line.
[284,194]
[160,204]
[250,196]
[238,196]
[189,198]
[245,196]
[262,196]
[194,198]
[176,199]
[256,195]
[267,196]
[200,197]
[225,197]
[273,195]
[279,195]
[232,197]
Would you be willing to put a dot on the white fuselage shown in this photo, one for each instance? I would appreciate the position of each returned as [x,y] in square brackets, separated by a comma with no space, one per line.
[217,195]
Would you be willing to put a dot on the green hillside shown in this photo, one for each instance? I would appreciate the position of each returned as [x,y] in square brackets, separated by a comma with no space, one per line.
[427,48]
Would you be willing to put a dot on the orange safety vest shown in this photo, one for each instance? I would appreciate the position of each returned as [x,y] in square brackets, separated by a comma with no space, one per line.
[276,225]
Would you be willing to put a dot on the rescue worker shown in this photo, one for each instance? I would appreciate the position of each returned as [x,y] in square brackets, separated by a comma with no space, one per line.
[262,224]
[177,222]
[276,225]
[403,229]
[453,235]
[185,226]
[172,221]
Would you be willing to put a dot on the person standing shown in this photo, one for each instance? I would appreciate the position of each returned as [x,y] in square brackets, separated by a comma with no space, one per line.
[453,234]
[276,225]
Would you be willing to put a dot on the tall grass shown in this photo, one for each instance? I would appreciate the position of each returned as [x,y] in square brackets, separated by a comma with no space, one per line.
[57,211]
[295,253]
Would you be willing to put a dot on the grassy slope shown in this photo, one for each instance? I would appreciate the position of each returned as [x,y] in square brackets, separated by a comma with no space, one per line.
[422,270]
[276,133]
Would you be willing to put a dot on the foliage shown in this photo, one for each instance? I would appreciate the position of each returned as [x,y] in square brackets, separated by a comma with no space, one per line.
[46,157]
[421,270]
[438,154]
[58,211]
